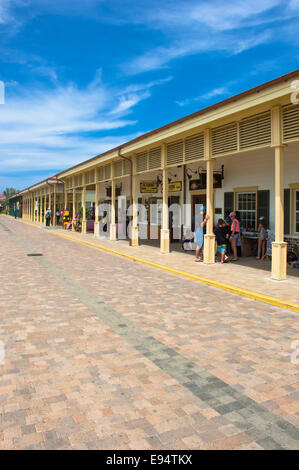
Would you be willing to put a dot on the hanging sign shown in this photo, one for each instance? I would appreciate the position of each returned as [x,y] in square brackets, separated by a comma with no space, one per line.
[173,187]
[148,187]
[201,183]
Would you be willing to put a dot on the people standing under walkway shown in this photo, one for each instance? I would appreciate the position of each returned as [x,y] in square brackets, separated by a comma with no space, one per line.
[228,223]
[57,216]
[200,230]
[222,233]
[262,229]
[227,219]
[235,234]
[48,217]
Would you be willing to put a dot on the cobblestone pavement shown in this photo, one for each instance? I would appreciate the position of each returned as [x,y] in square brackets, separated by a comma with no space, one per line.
[247,273]
[103,353]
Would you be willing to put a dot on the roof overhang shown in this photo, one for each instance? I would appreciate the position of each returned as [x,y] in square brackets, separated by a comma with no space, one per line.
[257,99]
[51,180]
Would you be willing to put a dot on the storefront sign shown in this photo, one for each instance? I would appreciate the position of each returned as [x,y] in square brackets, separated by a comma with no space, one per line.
[173,187]
[149,187]
[201,183]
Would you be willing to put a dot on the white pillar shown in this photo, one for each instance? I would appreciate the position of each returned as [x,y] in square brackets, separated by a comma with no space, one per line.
[74,209]
[112,223]
[84,209]
[134,228]
[54,206]
[164,242]
[279,247]
[96,221]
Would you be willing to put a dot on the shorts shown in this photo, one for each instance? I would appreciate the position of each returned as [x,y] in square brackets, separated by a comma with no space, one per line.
[235,236]
[221,248]
[199,237]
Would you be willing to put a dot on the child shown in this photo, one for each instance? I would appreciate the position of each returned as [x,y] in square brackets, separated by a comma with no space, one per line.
[262,238]
[222,234]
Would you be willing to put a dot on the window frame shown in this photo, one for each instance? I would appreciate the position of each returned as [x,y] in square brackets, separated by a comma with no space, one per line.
[253,190]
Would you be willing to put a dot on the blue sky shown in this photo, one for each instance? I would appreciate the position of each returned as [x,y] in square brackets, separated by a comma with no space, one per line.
[82,76]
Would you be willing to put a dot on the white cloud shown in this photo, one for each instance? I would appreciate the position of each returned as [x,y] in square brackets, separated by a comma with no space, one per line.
[127,102]
[5,16]
[215,92]
[294,5]
[134,93]
[161,56]
[198,27]
[186,27]
[215,15]
[58,127]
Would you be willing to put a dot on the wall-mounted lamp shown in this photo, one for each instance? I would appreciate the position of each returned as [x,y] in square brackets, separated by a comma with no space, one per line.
[220,172]
[189,173]
[159,180]
[170,179]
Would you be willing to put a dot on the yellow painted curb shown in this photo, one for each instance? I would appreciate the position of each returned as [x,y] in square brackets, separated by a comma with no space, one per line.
[220,285]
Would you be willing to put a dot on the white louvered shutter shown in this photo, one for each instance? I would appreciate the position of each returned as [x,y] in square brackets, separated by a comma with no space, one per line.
[194,147]
[225,139]
[255,131]
[174,153]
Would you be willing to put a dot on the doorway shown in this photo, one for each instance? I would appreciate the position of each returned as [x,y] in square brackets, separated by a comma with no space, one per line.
[155,209]
[175,228]
[197,201]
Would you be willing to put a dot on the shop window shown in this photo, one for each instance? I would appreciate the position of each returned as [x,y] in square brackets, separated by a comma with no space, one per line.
[246,205]
[297,211]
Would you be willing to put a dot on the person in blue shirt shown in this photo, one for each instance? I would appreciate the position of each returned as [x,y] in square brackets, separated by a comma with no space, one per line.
[200,230]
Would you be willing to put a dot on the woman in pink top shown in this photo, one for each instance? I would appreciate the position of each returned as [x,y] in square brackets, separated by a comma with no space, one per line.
[235,229]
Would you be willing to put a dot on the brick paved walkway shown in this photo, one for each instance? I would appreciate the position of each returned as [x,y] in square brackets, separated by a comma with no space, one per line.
[103,353]
[247,273]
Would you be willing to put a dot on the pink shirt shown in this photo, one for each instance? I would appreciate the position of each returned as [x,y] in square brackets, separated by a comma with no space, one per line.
[235,227]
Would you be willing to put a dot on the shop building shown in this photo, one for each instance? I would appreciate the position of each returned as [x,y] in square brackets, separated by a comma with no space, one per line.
[38,198]
[240,154]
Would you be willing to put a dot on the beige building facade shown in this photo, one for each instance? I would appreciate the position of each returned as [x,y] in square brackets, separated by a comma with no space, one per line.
[241,154]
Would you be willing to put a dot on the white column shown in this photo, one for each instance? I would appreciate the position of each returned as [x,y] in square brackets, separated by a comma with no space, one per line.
[74,209]
[134,228]
[164,242]
[279,247]
[65,196]
[112,223]
[96,221]
[209,238]
[54,206]
[84,209]
[50,202]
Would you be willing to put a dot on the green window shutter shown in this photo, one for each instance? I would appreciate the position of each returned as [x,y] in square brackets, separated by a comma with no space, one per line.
[229,202]
[263,205]
[287,211]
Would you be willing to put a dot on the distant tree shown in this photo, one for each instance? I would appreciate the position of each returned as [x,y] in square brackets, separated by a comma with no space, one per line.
[9,192]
